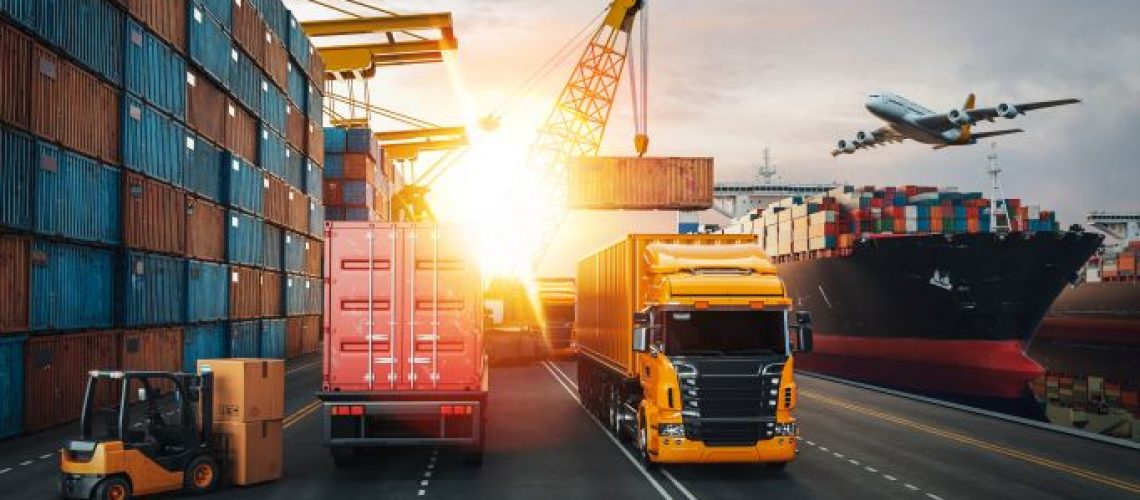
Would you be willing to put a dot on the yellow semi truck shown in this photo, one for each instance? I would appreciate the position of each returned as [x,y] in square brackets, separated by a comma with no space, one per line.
[685,345]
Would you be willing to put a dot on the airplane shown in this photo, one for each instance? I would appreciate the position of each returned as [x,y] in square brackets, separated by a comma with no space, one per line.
[908,120]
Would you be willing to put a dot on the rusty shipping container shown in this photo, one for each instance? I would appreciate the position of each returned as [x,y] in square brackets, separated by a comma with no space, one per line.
[13,283]
[74,107]
[272,293]
[15,51]
[205,230]
[295,127]
[294,331]
[276,201]
[206,107]
[245,292]
[314,256]
[249,29]
[276,61]
[55,374]
[151,349]
[316,142]
[43,89]
[153,215]
[166,18]
[631,183]
[311,334]
[298,216]
[241,131]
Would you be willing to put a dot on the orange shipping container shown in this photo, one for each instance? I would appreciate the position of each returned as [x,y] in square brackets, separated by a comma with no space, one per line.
[241,131]
[205,230]
[295,127]
[55,374]
[245,292]
[167,18]
[276,201]
[314,256]
[276,60]
[13,283]
[154,215]
[206,107]
[630,183]
[316,140]
[15,51]
[272,291]
[298,217]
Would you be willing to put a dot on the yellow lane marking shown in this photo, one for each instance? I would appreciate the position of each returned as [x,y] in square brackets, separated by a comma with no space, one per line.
[961,438]
[302,413]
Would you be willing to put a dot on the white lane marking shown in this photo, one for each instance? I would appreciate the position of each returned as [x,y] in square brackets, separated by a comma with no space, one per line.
[838,455]
[564,375]
[431,466]
[684,491]
[427,474]
[853,461]
[871,469]
[911,487]
[302,367]
[6,470]
[420,493]
[27,462]
[811,443]
[889,477]
[823,449]
[45,455]
[424,482]
[653,481]
[933,496]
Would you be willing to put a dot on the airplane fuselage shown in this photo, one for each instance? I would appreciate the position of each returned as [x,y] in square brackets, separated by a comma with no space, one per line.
[900,112]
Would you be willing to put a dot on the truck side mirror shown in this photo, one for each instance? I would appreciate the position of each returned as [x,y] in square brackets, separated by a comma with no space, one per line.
[640,339]
[804,340]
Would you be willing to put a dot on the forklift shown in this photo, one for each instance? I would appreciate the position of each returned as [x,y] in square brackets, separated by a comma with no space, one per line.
[150,444]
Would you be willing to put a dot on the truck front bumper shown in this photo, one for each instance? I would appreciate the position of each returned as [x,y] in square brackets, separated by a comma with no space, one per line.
[678,450]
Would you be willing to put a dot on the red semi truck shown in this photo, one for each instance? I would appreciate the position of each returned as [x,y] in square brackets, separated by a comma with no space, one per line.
[404,362]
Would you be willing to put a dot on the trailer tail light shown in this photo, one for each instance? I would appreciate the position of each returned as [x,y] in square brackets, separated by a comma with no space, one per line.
[756,304]
[456,410]
[346,410]
[701,304]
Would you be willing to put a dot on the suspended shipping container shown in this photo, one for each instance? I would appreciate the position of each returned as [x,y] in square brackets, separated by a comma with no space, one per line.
[154,71]
[76,197]
[207,291]
[154,289]
[56,366]
[153,142]
[631,183]
[14,283]
[72,286]
[154,215]
[203,341]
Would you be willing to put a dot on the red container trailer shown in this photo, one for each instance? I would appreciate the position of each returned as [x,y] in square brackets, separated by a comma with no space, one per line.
[404,362]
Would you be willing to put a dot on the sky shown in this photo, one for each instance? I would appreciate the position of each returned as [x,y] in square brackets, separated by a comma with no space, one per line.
[728,78]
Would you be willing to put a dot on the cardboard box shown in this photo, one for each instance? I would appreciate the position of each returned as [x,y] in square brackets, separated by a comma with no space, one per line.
[253,450]
[247,389]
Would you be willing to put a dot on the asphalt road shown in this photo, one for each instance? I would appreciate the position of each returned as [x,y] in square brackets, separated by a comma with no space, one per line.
[541,444]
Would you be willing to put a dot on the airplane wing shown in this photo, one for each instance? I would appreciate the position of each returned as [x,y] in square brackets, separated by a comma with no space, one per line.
[983,135]
[881,135]
[941,122]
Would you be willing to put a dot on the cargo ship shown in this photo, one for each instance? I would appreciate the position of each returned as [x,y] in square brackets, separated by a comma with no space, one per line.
[914,288]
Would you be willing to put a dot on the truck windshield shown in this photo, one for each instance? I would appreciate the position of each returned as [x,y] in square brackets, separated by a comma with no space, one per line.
[724,333]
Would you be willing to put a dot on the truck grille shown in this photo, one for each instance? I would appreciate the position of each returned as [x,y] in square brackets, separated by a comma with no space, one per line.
[736,403]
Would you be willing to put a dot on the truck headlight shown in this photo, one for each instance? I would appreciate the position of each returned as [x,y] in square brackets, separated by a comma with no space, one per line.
[788,429]
[685,370]
[671,430]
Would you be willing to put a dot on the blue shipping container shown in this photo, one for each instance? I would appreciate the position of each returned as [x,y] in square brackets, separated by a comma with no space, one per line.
[294,252]
[221,11]
[314,180]
[49,19]
[244,339]
[207,291]
[271,152]
[204,341]
[154,288]
[93,34]
[272,247]
[298,86]
[295,168]
[316,219]
[360,140]
[313,295]
[153,142]
[334,140]
[275,15]
[209,44]
[244,238]
[273,338]
[72,286]
[334,165]
[272,106]
[245,80]
[23,12]
[245,184]
[315,104]
[204,166]
[11,385]
[76,197]
[295,295]
[16,179]
[154,71]
[358,193]
[299,45]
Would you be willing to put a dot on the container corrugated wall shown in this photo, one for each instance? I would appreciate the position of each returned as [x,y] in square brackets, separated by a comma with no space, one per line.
[16,177]
[210,47]
[314,257]
[153,142]
[316,143]
[298,217]
[205,107]
[11,385]
[316,219]
[295,168]
[152,349]
[245,292]
[154,71]
[154,215]
[294,252]
[85,116]
[314,292]
[153,290]
[76,197]
[15,50]
[245,336]
[14,252]
[245,184]
[310,333]
[248,29]
[221,10]
[277,201]
[272,247]
[630,183]
[205,230]
[21,11]
[244,238]
[272,338]
[245,80]
[204,341]
[72,286]
[56,366]
[167,18]
[241,131]
[204,174]
[207,291]
[272,294]
[50,20]
[295,127]
[299,45]
[314,181]
[294,336]
[298,86]
[272,106]
[275,15]
[295,295]
[271,149]
[93,34]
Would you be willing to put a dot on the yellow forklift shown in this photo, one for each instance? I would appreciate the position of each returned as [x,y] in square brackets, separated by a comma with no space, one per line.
[140,435]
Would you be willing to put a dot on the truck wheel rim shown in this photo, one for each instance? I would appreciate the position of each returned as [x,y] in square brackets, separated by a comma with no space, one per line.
[117,492]
[203,475]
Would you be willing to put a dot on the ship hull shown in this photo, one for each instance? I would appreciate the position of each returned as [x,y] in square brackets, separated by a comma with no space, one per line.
[948,316]
[1106,312]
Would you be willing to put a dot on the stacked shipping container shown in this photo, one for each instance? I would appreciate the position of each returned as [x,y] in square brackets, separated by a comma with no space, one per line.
[357,182]
[153,183]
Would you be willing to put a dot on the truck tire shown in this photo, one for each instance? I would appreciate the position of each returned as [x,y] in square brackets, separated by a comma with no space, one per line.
[343,456]
[201,476]
[614,405]
[643,444]
[112,488]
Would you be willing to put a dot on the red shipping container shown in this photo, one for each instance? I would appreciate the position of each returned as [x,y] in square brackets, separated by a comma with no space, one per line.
[973,226]
[276,60]
[241,131]
[15,51]
[43,105]
[276,201]
[646,183]
[55,375]
[295,127]
[13,283]
[167,18]
[245,292]
[316,141]
[437,286]
[298,216]
[333,194]
[314,257]
[205,230]
[154,215]
[316,68]
[151,349]
[272,294]
[85,110]
[249,30]
[294,333]
[206,107]
[359,167]
[311,334]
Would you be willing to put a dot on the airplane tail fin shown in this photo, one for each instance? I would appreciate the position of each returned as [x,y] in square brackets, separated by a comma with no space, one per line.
[964,137]
[969,102]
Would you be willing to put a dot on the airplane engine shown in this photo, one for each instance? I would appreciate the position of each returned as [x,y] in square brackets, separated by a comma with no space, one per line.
[864,137]
[846,146]
[958,117]
[1007,111]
